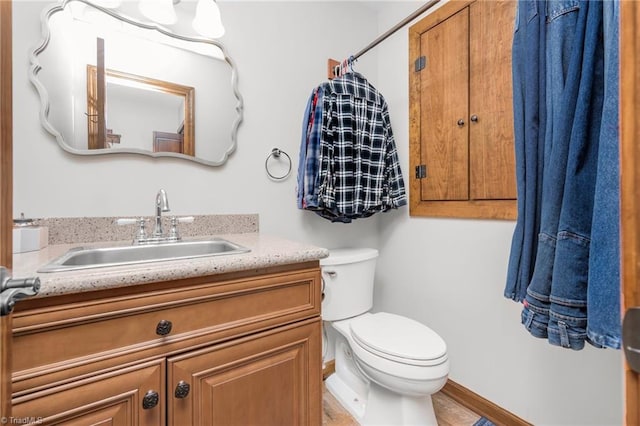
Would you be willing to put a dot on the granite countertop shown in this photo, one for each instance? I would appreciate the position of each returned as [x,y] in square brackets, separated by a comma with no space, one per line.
[266,251]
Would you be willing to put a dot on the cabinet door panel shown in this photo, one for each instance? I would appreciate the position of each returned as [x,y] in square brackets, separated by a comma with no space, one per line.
[492,153]
[444,101]
[273,378]
[113,398]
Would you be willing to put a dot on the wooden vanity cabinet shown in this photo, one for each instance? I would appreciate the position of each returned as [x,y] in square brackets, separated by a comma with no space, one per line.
[229,349]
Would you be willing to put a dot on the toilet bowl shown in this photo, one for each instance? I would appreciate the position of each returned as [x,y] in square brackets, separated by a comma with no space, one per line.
[387,365]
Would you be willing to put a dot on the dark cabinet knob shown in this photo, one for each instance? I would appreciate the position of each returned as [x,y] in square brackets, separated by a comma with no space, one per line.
[182,389]
[163,328]
[461,122]
[474,118]
[150,400]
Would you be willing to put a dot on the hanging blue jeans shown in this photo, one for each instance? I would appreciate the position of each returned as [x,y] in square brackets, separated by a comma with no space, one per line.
[556,301]
[568,322]
[603,292]
[528,59]
[560,32]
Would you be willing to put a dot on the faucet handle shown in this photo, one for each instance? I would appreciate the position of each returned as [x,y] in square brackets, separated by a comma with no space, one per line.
[141,233]
[185,219]
[174,235]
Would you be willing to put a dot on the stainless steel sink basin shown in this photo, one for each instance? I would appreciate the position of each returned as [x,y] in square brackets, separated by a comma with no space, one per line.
[82,258]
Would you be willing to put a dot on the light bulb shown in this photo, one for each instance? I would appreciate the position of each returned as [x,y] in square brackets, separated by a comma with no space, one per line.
[160,11]
[207,21]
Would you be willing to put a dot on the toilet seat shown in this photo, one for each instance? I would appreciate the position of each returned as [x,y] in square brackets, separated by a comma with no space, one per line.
[403,375]
[399,339]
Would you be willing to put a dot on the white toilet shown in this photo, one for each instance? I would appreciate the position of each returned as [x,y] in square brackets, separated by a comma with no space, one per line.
[387,366]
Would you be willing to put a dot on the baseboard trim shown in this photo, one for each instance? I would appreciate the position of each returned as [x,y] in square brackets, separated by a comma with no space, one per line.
[481,406]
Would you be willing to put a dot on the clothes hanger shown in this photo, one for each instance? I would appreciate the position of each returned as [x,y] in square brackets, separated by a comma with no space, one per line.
[352,60]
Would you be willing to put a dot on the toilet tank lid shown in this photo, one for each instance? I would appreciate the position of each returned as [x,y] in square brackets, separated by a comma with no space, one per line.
[348,255]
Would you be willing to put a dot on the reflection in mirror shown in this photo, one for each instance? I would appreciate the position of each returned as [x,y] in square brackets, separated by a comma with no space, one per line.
[167,109]
[110,82]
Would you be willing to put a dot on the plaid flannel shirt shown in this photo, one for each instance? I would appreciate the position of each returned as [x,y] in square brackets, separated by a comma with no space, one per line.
[308,160]
[359,172]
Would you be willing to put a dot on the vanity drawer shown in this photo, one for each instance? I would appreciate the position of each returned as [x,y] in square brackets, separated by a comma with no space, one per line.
[57,343]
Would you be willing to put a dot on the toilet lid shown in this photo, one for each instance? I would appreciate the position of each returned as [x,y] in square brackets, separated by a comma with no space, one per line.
[398,338]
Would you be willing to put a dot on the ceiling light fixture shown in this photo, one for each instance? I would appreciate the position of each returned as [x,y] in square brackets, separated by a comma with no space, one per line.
[207,21]
[160,11]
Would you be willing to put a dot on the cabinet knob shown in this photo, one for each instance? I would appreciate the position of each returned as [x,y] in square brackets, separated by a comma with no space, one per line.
[150,400]
[182,389]
[474,118]
[460,122]
[163,328]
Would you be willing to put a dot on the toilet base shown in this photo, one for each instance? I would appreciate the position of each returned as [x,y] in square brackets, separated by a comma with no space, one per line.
[381,406]
[346,396]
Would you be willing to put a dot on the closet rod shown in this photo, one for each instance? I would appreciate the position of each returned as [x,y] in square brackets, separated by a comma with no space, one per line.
[395,28]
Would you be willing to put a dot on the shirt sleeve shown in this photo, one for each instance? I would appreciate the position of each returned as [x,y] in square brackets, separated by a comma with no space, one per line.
[396,190]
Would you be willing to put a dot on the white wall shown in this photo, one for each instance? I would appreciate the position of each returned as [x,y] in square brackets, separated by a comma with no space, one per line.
[448,274]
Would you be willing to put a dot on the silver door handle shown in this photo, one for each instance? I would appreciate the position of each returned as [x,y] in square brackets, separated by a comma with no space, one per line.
[13,290]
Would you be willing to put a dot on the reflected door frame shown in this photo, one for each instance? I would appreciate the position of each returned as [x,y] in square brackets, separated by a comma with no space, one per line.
[96,104]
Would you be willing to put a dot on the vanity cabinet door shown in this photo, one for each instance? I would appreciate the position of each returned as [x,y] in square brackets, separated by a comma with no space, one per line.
[272,378]
[129,396]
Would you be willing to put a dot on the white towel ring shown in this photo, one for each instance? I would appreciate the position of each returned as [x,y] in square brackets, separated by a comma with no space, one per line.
[275,153]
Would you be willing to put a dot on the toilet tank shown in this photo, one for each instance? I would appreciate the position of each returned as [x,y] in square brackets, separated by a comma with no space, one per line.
[347,282]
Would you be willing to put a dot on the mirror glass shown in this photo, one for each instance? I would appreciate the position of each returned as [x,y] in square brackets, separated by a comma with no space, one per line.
[111,82]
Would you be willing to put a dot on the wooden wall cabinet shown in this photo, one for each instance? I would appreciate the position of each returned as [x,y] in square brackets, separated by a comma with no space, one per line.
[232,349]
[462,153]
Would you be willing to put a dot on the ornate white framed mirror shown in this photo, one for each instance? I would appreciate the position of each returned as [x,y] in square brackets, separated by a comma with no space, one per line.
[112,83]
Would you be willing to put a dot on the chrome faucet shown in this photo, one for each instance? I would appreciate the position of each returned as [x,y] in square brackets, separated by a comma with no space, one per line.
[162,205]
[157,236]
